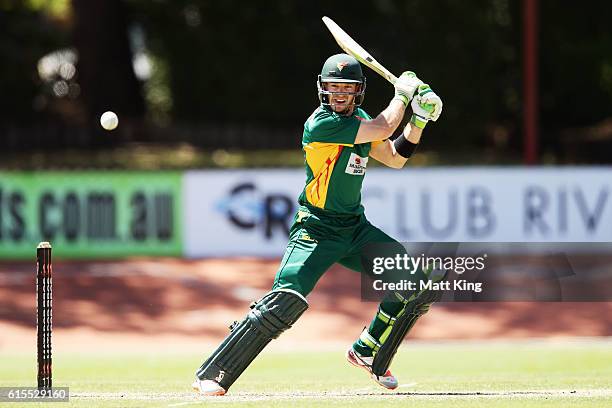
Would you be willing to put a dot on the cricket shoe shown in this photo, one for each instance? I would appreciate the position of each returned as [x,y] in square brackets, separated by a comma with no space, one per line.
[208,387]
[388,380]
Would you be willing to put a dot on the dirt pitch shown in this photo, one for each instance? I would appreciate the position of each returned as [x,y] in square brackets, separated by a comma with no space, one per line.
[155,303]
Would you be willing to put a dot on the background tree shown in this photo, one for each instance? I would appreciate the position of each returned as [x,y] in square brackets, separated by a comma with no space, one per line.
[106,75]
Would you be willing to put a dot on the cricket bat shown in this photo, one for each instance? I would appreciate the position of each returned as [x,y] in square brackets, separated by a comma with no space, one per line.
[351,47]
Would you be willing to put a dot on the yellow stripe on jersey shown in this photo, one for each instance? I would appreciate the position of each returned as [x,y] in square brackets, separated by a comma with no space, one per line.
[321,158]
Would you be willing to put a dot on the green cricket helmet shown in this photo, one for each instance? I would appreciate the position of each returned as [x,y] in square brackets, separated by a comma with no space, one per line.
[341,68]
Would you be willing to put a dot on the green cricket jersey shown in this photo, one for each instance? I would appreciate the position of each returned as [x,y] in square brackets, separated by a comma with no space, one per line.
[335,165]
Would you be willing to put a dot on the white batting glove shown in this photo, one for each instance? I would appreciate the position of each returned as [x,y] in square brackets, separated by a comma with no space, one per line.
[405,86]
[426,106]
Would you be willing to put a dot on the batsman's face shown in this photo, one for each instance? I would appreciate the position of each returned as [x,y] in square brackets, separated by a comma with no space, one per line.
[341,99]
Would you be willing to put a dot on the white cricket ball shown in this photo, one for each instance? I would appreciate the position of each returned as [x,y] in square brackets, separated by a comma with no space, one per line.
[109,120]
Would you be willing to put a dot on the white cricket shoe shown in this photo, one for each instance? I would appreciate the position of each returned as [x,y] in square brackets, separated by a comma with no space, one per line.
[388,380]
[208,387]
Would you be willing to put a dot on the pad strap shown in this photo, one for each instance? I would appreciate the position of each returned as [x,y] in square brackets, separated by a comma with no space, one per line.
[369,340]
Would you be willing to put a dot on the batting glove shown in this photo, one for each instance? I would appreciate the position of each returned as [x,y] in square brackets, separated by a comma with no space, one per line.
[405,86]
[426,106]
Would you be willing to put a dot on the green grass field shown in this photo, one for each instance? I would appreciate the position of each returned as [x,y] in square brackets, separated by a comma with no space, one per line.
[437,375]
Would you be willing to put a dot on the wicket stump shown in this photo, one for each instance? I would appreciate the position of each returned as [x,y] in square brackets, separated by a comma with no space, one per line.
[44,313]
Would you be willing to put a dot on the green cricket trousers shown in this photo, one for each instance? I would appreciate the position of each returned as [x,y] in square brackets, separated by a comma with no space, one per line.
[316,242]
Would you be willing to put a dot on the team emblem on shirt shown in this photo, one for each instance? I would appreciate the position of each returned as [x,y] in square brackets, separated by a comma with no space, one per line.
[356,165]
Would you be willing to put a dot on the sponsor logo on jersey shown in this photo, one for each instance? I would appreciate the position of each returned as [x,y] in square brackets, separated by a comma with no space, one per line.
[356,165]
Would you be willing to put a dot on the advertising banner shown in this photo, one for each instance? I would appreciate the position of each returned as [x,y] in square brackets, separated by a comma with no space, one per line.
[91,214]
[556,204]
[241,212]
[248,212]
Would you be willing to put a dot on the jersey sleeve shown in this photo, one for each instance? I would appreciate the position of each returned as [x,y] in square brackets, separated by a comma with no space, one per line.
[332,128]
[377,142]
[364,116]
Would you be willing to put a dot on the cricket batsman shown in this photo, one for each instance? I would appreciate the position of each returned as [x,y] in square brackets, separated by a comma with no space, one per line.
[330,225]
